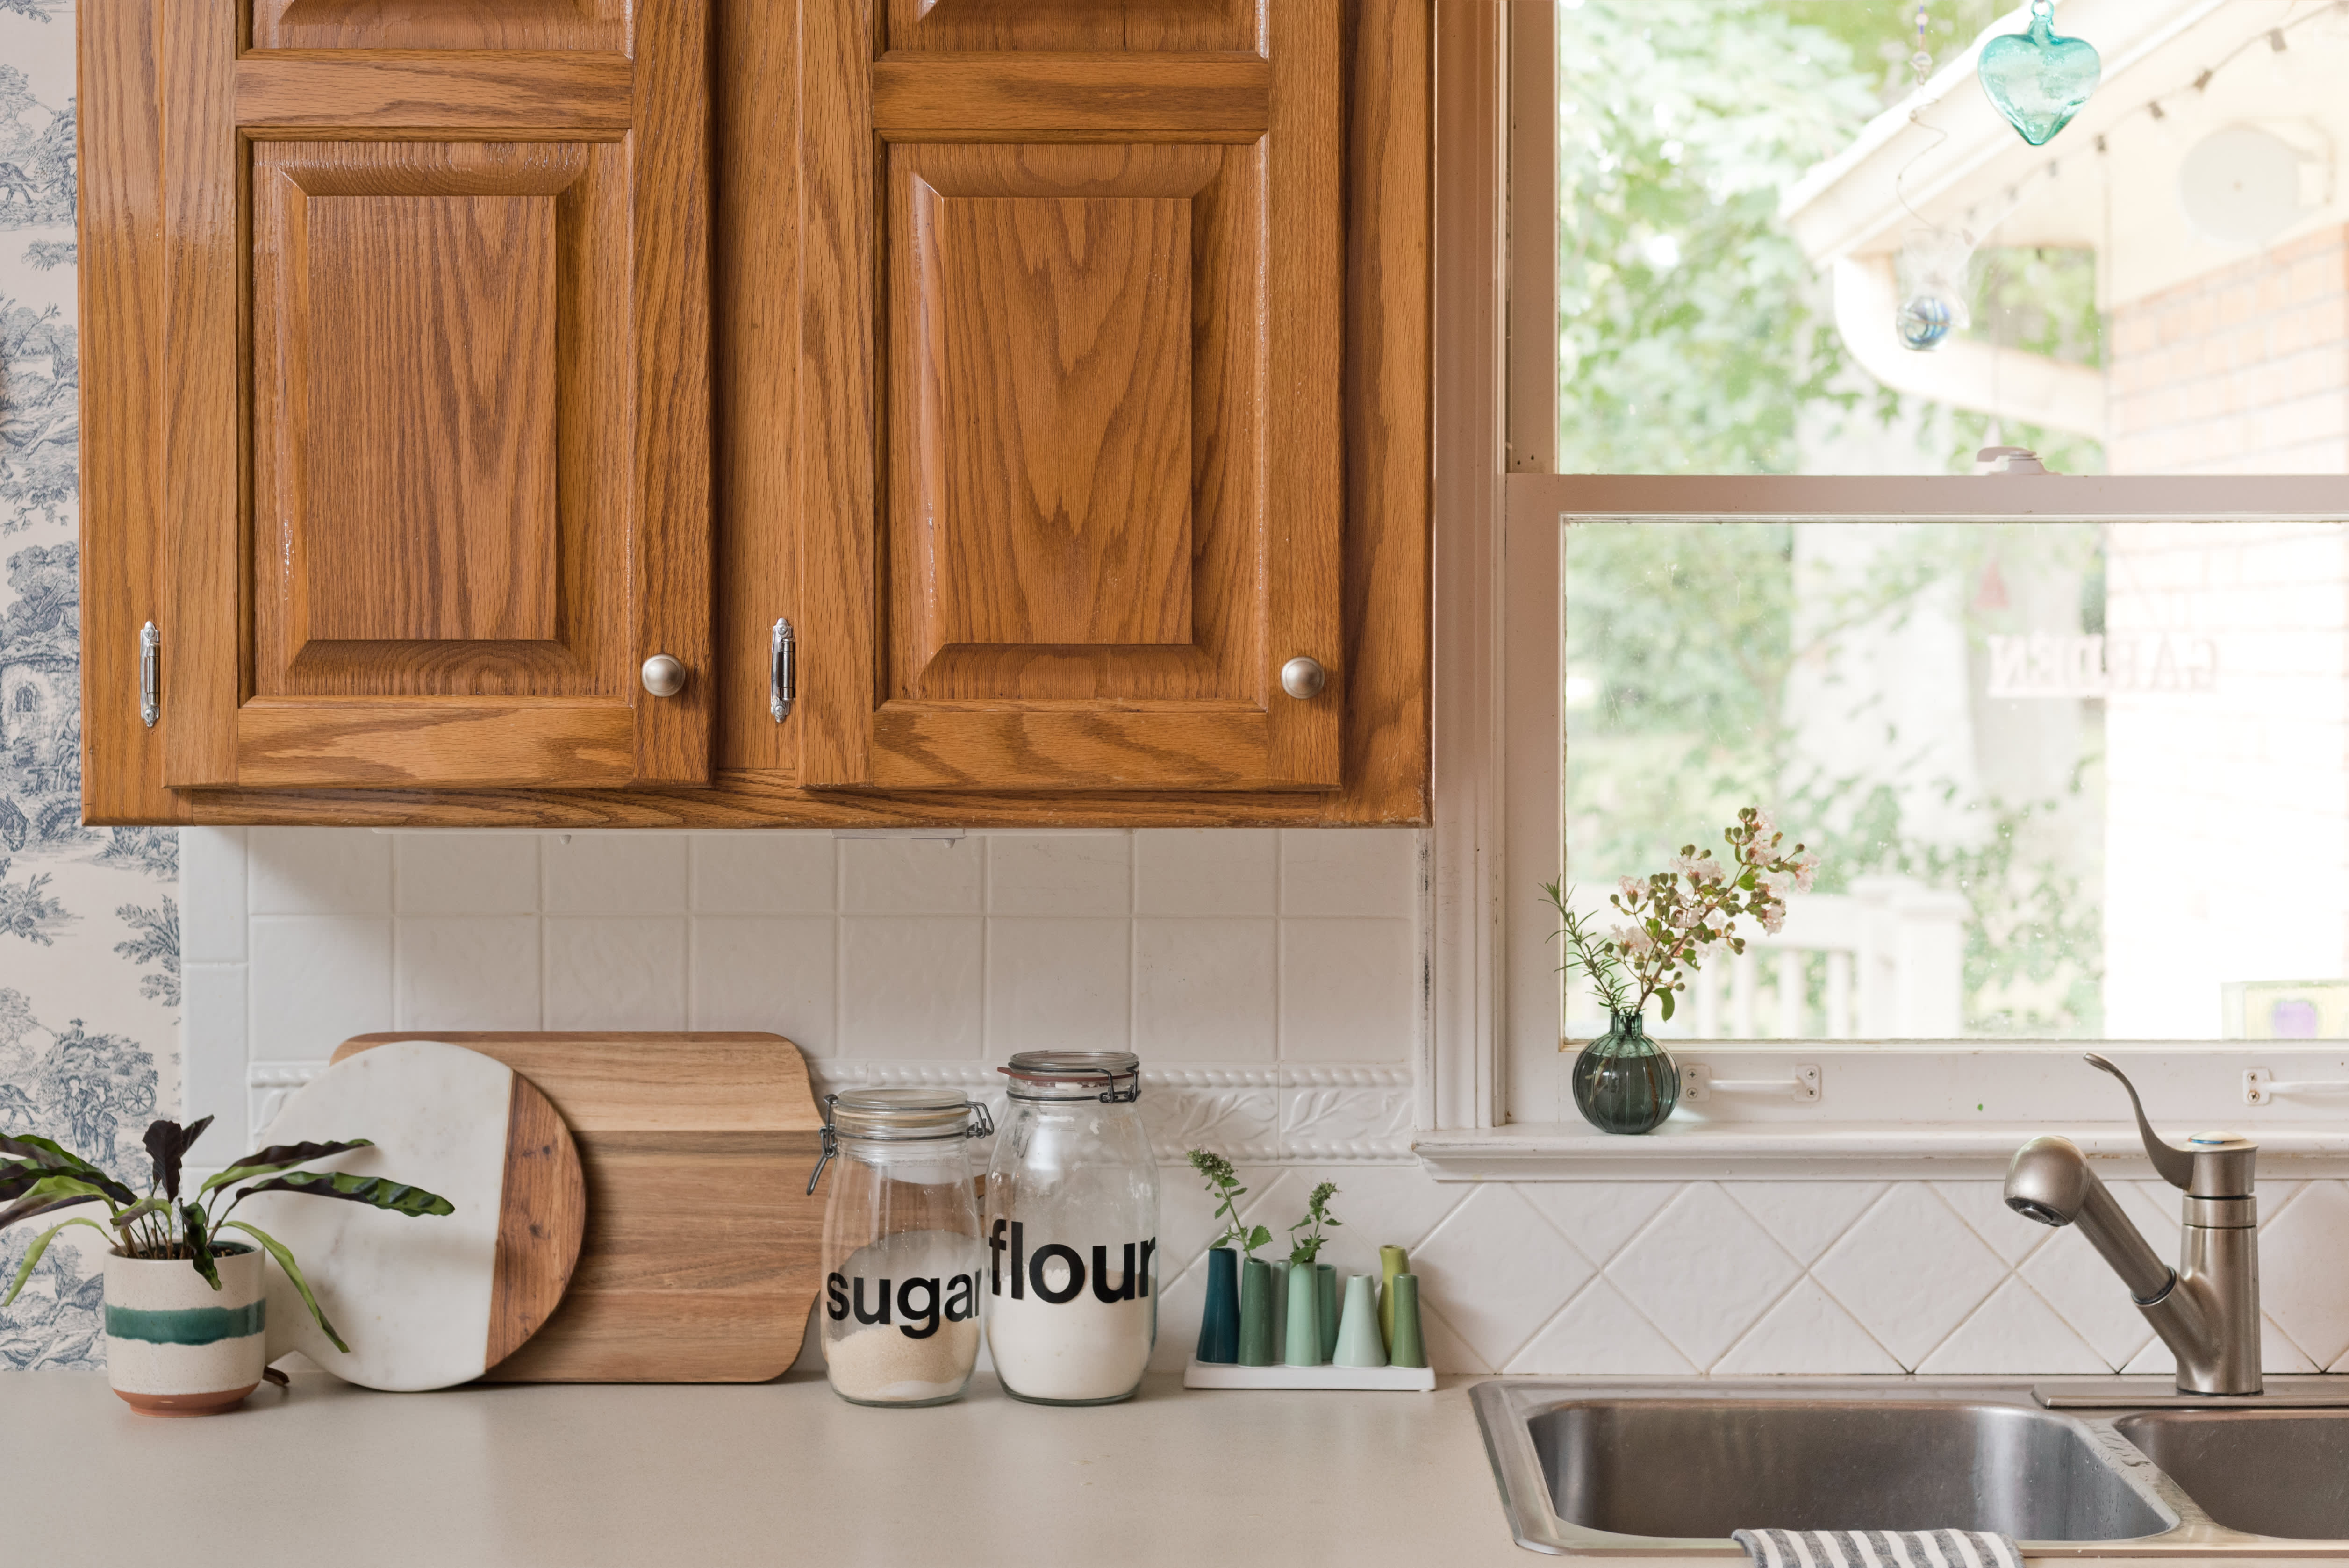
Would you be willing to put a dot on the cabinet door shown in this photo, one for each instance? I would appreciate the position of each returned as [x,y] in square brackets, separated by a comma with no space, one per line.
[1096,323]
[435,392]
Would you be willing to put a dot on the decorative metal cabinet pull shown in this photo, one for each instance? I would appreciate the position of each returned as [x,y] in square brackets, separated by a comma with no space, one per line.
[151,674]
[783,671]
[1303,678]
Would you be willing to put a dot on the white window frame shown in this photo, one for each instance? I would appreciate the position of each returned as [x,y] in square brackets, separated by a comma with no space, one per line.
[1893,1109]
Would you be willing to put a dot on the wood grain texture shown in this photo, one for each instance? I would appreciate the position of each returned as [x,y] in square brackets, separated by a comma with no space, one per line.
[672,570]
[442,454]
[601,25]
[448,742]
[542,1220]
[839,674]
[923,746]
[756,373]
[945,26]
[430,371]
[203,389]
[1304,473]
[929,98]
[120,305]
[1388,587]
[1050,349]
[702,1249]
[397,92]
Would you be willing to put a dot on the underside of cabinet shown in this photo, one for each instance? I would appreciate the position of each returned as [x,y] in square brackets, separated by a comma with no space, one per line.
[1056,694]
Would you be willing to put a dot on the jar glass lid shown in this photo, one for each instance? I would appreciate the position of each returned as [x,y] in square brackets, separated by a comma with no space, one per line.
[1111,1076]
[886,1113]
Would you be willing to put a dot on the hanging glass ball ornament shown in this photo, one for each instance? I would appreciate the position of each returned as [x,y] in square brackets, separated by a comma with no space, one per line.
[1923,321]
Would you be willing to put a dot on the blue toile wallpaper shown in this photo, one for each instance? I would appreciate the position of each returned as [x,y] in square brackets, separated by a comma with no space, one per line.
[90,927]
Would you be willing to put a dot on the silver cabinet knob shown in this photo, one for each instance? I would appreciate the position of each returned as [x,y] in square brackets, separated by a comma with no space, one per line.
[1302,677]
[664,677]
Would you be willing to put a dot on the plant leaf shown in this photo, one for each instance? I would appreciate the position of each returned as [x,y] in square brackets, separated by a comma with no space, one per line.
[276,1249]
[1668,1006]
[144,1206]
[40,1245]
[167,1144]
[381,1192]
[280,1157]
[50,1155]
[29,1207]
[200,1243]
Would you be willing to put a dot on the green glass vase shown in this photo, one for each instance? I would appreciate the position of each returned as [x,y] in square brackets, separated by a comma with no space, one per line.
[1624,1081]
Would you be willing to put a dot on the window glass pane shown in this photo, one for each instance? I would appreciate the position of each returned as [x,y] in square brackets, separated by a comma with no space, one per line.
[1764,220]
[2072,780]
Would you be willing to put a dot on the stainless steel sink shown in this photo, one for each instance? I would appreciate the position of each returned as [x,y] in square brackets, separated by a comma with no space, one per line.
[1651,1466]
[2268,1472]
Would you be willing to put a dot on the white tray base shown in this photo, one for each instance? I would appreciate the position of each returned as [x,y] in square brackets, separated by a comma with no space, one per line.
[1393,1379]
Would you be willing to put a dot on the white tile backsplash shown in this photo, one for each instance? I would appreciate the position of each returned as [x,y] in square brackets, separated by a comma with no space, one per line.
[1271,983]
[465,873]
[615,972]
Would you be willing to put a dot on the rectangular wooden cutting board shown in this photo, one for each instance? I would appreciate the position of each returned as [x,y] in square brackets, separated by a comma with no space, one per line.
[702,1248]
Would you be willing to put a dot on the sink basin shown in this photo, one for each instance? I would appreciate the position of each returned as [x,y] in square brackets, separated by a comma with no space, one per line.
[1613,1469]
[2268,1472]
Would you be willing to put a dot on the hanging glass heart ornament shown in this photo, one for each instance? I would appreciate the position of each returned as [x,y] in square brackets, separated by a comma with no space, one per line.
[2038,80]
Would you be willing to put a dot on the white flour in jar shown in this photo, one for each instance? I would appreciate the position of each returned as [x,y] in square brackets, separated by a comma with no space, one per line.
[1080,1349]
[881,1363]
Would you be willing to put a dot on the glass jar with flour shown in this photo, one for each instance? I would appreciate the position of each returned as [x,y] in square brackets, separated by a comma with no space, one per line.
[1072,1231]
[902,1255]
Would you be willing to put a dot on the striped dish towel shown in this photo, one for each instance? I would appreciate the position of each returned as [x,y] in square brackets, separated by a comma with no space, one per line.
[1878,1549]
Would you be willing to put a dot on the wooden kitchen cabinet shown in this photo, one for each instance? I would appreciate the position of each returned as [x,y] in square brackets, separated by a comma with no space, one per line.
[1057,369]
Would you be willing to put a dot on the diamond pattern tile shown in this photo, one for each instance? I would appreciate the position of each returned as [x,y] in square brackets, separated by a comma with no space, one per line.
[1599,1217]
[1911,1271]
[2305,1271]
[1599,1333]
[1807,1331]
[2014,1331]
[1982,1206]
[1805,1217]
[1703,1272]
[1497,1270]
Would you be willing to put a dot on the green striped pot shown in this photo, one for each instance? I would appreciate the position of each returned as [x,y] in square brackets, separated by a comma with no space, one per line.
[174,1346]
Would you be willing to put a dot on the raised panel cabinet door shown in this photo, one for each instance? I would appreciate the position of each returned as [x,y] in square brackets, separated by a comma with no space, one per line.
[435,393]
[1102,350]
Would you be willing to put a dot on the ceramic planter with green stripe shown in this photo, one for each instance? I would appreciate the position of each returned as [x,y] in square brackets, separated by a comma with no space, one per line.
[174,1346]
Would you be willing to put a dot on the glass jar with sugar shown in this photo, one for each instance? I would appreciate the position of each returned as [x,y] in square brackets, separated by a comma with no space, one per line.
[902,1255]
[1072,1231]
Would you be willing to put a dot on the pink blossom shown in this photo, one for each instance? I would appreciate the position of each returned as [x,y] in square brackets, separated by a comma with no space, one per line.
[1632,940]
[1632,887]
[1773,918]
[1697,868]
[1805,867]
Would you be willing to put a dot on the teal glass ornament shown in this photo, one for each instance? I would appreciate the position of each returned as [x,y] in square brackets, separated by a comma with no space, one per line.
[1924,321]
[1624,1081]
[2038,80]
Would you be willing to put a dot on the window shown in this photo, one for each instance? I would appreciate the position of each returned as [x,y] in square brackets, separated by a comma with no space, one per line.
[1790,327]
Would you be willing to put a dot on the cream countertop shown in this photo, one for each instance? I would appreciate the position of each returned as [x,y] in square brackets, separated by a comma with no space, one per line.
[578,1476]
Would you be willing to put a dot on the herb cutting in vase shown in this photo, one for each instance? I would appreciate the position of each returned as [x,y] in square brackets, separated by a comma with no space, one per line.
[1624,1081]
[186,1340]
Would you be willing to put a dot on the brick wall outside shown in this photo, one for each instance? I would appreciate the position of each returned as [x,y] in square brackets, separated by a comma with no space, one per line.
[2243,370]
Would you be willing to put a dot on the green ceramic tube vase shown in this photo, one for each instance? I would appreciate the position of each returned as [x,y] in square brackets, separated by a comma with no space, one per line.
[1409,1347]
[1219,1323]
[1357,1331]
[1259,1343]
[1303,1348]
[1623,1081]
[1324,1294]
[1391,1262]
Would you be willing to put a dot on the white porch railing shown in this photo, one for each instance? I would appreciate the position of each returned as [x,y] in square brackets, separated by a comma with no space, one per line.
[1885,961]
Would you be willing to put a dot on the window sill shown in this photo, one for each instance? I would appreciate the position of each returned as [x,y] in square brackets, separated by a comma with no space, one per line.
[1849,1152]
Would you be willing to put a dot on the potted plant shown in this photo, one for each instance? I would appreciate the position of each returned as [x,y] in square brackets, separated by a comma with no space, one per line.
[1307,1288]
[1624,1081]
[1220,1324]
[186,1309]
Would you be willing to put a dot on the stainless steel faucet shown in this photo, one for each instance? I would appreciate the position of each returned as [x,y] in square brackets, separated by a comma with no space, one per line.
[2207,1310]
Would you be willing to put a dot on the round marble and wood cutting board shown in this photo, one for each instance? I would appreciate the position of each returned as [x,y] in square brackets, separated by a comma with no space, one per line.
[434,1301]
